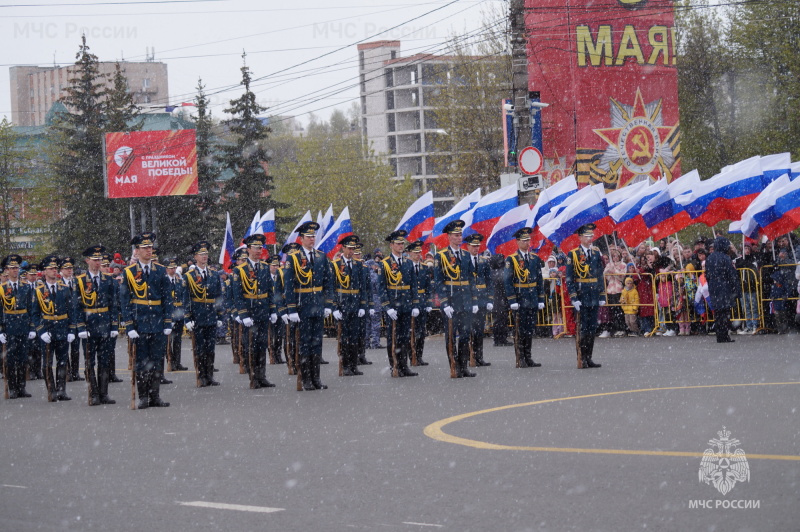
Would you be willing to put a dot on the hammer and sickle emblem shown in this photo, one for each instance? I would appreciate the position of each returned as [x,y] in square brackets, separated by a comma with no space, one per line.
[643,143]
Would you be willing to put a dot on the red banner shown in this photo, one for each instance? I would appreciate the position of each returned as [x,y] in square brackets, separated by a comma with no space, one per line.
[142,164]
[607,69]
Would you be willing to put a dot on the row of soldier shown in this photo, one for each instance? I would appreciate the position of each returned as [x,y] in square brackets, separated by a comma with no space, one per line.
[153,305]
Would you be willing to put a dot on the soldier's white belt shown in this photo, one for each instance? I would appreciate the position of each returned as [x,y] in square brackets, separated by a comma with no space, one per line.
[456,283]
[96,310]
[401,287]
[258,296]
[343,291]
[147,302]
[524,285]
[308,290]
[54,317]
[16,312]
[198,300]
[592,280]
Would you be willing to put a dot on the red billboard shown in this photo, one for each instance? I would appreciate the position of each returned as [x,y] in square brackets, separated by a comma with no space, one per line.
[142,164]
[607,69]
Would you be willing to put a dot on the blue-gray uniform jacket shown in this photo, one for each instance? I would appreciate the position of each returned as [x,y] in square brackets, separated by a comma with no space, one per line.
[585,276]
[424,286]
[523,280]
[309,289]
[17,319]
[350,292]
[397,285]
[278,287]
[483,282]
[203,297]
[252,291]
[146,300]
[97,304]
[53,312]
[454,281]
[178,297]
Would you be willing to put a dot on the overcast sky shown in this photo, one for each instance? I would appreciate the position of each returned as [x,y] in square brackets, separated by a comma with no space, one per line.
[205,39]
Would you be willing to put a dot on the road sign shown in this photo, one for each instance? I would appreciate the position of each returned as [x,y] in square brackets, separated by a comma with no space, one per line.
[530,160]
[529,182]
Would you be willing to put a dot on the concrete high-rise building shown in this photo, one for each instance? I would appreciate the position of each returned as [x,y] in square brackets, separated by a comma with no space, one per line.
[395,117]
[34,89]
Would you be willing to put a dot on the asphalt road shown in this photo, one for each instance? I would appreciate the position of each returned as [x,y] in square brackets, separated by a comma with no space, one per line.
[620,451]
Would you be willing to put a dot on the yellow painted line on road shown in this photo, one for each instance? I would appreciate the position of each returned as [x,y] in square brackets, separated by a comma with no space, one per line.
[434,430]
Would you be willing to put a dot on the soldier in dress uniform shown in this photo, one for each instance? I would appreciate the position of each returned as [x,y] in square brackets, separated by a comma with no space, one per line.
[483,282]
[74,359]
[239,258]
[424,277]
[146,301]
[29,276]
[364,320]
[16,326]
[349,303]
[586,291]
[203,312]
[309,300]
[179,302]
[455,285]
[278,329]
[399,301]
[253,299]
[105,267]
[525,294]
[53,315]
[290,329]
[98,323]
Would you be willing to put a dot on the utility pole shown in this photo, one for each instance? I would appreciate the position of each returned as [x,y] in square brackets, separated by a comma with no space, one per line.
[519,74]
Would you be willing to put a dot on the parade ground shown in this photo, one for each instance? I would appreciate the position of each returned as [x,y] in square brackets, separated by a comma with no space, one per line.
[554,448]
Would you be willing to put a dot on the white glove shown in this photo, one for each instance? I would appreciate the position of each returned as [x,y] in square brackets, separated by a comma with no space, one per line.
[2,338]
[237,319]
[83,335]
[114,333]
[489,307]
[475,309]
[190,326]
[414,312]
[577,305]
[273,318]
[294,317]
[602,302]
[428,309]
[219,323]
[448,311]
[285,318]
[371,312]
[541,306]
[167,332]
[514,306]
[247,322]
[31,335]
[133,335]
[70,338]
[327,312]
[392,313]
[45,337]
[337,315]
[361,313]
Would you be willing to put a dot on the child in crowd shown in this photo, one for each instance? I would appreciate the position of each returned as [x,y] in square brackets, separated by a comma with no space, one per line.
[629,299]
[680,309]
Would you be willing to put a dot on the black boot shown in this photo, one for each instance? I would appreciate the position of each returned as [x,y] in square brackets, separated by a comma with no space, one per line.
[103,380]
[11,375]
[362,360]
[94,393]
[112,375]
[403,361]
[155,387]
[315,374]
[262,375]
[61,384]
[306,368]
[590,349]
[479,354]
[463,361]
[420,351]
[75,362]
[21,392]
[143,389]
[209,370]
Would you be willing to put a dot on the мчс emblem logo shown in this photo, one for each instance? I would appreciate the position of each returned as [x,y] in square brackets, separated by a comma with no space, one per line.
[724,468]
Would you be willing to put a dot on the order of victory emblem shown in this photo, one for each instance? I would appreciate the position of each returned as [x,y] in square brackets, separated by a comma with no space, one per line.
[724,467]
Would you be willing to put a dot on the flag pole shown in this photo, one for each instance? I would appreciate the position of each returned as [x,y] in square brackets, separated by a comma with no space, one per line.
[791,244]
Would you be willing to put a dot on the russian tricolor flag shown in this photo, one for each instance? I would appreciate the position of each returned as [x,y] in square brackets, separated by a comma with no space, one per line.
[588,205]
[502,238]
[294,236]
[340,229]
[253,227]
[664,214]
[266,226]
[325,222]
[226,252]
[628,214]
[483,217]
[418,220]
[437,237]
[762,206]
[549,200]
